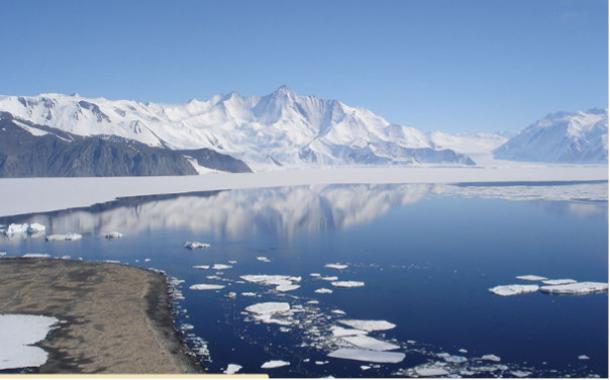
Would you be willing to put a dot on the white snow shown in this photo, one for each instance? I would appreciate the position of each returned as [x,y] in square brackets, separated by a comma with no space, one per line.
[274,364]
[67,237]
[323,291]
[37,255]
[18,334]
[232,368]
[206,287]
[347,284]
[578,288]
[366,342]
[561,281]
[511,290]
[367,355]
[336,266]
[367,324]
[113,235]
[531,277]
[195,245]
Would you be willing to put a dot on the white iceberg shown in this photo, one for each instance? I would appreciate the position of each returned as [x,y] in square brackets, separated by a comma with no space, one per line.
[519,373]
[579,288]
[37,255]
[338,311]
[2,254]
[367,355]
[367,324]
[64,237]
[315,274]
[347,284]
[455,359]
[113,235]
[36,228]
[366,342]
[196,245]
[206,287]
[248,294]
[15,229]
[18,334]
[531,277]
[561,281]
[336,266]
[323,291]
[512,290]
[274,364]
[264,259]
[232,368]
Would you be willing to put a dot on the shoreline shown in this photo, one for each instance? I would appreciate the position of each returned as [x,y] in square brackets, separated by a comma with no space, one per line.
[114,318]
[59,193]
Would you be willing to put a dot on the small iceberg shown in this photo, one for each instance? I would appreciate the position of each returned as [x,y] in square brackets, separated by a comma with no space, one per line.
[366,342]
[232,368]
[64,237]
[531,277]
[347,284]
[206,287]
[274,364]
[329,278]
[323,291]
[113,235]
[512,290]
[367,324]
[336,266]
[583,357]
[287,287]
[36,228]
[367,355]
[195,245]
[15,229]
[561,281]
[18,334]
[578,288]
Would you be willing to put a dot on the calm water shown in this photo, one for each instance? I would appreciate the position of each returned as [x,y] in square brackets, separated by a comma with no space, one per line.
[427,255]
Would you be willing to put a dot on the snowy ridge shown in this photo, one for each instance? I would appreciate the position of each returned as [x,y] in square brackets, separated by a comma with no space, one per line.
[279,129]
[580,137]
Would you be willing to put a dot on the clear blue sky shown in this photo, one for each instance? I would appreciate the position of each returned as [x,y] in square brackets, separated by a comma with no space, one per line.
[448,65]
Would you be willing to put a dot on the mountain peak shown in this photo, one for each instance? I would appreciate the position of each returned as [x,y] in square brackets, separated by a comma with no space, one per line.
[284,90]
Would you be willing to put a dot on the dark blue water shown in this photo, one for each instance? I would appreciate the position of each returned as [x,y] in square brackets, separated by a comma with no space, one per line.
[427,262]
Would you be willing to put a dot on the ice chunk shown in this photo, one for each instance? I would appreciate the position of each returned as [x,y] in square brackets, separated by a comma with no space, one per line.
[37,255]
[323,291]
[365,367]
[367,324]
[583,357]
[366,342]
[561,281]
[315,274]
[66,237]
[579,288]
[491,358]
[463,350]
[270,312]
[531,277]
[2,254]
[201,267]
[35,228]
[313,302]
[367,355]
[206,287]
[518,373]
[232,262]
[274,364]
[336,266]
[456,359]
[287,287]
[18,334]
[329,278]
[113,235]
[221,266]
[347,284]
[511,290]
[15,229]
[232,368]
[431,371]
[264,259]
[248,294]
[281,282]
[195,245]
[338,311]
[342,331]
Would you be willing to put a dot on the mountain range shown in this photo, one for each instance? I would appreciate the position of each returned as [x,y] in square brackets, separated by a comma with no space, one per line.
[91,136]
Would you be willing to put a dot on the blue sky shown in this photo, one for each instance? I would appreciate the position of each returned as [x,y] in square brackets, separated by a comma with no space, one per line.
[434,64]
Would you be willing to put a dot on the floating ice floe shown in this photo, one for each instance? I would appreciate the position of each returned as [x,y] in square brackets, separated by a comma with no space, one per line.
[455,359]
[221,266]
[518,373]
[113,235]
[329,278]
[578,288]
[232,262]
[342,331]
[366,342]
[512,290]
[37,255]
[64,237]
[561,281]
[491,358]
[18,334]
[365,367]
[264,259]
[186,327]
[367,324]
[282,283]
[315,274]
[248,294]
[35,228]
[430,371]
[323,291]
[347,284]
[531,277]
[336,266]
[232,368]
[201,267]
[196,245]
[583,357]
[274,364]
[270,312]
[367,355]
[287,287]
[206,287]
[146,260]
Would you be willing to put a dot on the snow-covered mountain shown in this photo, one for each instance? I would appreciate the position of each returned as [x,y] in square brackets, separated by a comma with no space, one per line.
[279,129]
[580,137]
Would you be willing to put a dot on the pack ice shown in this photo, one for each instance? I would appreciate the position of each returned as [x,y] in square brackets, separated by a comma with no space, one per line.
[512,290]
[578,288]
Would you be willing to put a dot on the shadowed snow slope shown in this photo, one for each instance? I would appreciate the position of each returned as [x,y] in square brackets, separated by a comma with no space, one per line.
[580,137]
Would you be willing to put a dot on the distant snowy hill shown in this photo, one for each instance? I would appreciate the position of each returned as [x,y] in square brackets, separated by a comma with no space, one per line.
[279,129]
[580,137]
